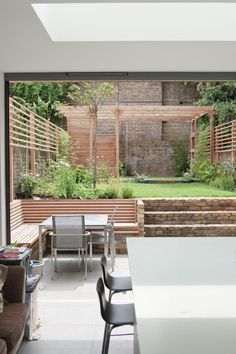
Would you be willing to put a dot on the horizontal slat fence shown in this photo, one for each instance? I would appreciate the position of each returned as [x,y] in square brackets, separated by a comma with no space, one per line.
[31,133]
[29,130]
[224,142]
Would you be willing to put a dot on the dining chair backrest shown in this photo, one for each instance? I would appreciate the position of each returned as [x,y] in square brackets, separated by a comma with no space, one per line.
[102,298]
[68,231]
[111,219]
[106,275]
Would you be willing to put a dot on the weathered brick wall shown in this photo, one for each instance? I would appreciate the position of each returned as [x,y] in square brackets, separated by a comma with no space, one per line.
[147,145]
[154,92]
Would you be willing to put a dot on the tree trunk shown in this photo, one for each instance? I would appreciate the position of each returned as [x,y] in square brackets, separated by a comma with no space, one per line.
[94,148]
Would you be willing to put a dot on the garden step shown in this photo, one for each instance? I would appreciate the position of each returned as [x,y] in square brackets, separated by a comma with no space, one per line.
[189,217]
[190,230]
[190,204]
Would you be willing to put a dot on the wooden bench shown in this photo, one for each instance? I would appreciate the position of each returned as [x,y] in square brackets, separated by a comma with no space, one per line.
[27,214]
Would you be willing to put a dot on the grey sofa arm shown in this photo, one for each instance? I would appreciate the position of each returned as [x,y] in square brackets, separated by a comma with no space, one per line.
[14,287]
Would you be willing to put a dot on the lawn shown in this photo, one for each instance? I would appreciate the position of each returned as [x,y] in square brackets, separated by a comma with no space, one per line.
[194,189]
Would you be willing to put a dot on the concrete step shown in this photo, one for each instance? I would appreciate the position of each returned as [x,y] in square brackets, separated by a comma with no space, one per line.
[189,217]
[190,230]
[189,204]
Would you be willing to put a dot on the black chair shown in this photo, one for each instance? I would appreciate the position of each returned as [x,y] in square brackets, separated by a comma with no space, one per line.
[114,284]
[114,315]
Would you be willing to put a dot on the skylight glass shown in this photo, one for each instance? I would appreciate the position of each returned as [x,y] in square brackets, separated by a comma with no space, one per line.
[85,22]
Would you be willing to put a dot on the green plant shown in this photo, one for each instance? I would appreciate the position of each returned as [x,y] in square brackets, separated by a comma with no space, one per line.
[84,175]
[64,143]
[64,182]
[225,177]
[111,190]
[220,95]
[180,157]
[84,192]
[224,182]
[127,192]
[205,172]
[27,184]
[103,173]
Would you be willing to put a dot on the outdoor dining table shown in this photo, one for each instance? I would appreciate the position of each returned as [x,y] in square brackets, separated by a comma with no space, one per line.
[184,294]
[93,222]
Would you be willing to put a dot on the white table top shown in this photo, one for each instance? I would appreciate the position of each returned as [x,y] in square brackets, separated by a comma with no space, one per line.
[91,220]
[184,294]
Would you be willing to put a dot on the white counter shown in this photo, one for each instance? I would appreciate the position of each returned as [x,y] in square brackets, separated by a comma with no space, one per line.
[185,294]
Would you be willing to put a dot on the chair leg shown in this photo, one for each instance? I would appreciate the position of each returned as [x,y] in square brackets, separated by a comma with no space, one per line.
[105,339]
[86,263]
[91,253]
[55,258]
[108,335]
[80,259]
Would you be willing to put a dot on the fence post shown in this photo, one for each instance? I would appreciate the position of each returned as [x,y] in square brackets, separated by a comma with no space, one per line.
[91,136]
[11,161]
[32,146]
[193,139]
[233,135]
[212,138]
[48,150]
[117,138]
[57,141]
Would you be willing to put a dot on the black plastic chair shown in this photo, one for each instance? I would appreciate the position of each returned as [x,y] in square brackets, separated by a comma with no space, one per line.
[114,315]
[114,284]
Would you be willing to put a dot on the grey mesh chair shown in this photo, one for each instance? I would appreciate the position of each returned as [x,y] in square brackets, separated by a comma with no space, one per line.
[114,315]
[68,235]
[107,238]
[114,284]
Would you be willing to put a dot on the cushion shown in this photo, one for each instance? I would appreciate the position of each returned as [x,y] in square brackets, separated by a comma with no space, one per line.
[3,347]
[3,276]
[12,323]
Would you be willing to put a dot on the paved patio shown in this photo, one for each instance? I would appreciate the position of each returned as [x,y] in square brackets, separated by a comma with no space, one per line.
[70,314]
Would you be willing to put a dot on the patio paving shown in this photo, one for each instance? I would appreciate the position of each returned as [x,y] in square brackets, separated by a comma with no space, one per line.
[70,313]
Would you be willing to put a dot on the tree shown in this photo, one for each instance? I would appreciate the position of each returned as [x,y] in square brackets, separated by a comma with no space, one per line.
[93,95]
[41,98]
[220,95]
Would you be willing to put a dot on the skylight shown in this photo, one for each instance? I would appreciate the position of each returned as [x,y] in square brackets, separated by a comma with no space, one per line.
[86,22]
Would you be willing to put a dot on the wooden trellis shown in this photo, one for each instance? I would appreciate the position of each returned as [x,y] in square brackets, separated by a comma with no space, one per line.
[30,131]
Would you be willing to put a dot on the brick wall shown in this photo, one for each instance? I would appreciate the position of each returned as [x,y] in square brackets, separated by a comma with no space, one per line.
[147,145]
[154,92]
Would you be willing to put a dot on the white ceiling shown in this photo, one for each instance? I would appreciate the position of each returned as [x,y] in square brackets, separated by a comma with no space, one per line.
[25,46]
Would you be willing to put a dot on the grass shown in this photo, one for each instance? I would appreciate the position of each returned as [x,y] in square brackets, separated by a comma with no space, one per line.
[194,189]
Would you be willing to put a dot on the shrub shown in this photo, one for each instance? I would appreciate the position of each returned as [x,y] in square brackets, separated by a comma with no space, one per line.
[84,192]
[111,190]
[205,171]
[83,175]
[64,182]
[180,157]
[127,192]
[225,182]
[27,185]
[226,176]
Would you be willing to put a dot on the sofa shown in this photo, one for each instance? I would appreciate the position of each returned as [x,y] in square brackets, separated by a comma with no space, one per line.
[15,312]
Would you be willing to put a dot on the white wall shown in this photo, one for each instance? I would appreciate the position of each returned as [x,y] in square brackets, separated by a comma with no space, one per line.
[2,163]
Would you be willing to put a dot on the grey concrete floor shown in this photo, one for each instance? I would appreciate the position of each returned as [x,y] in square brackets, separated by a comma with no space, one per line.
[70,314]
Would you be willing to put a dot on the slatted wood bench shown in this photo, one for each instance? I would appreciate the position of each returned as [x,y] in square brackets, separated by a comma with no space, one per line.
[36,211]
[27,214]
